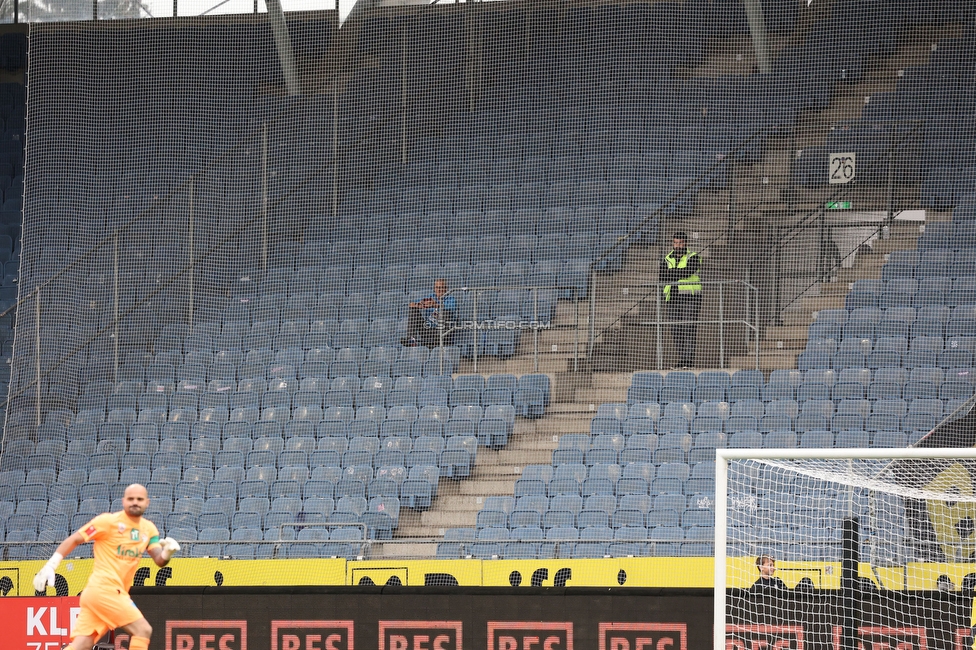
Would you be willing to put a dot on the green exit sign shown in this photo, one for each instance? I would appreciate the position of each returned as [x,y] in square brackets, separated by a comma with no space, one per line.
[838,205]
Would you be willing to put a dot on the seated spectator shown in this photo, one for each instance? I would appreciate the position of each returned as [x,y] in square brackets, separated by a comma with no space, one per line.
[428,316]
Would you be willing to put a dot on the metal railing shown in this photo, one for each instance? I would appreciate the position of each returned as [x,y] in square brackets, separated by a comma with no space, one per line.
[817,219]
[750,322]
[497,323]
[749,304]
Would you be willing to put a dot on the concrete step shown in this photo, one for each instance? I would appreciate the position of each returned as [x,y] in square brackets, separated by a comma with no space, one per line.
[818,303]
[573,408]
[461,503]
[797,317]
[418,550]
[416,531]
[601,395]
[773,347]
[766,362]
[553,426]
[786,332]
[448,518]
[612,380]
[522,457]
[486,488]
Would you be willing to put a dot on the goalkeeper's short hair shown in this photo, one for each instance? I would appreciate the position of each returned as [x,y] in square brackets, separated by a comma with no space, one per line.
[761,560]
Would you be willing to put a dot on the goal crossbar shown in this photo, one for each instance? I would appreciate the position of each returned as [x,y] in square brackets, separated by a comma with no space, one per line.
[722,456]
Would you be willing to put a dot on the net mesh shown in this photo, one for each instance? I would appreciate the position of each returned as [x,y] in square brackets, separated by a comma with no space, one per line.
[379,278]
[823,547]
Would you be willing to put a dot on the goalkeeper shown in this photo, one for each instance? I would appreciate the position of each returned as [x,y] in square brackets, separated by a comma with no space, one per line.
[120,539]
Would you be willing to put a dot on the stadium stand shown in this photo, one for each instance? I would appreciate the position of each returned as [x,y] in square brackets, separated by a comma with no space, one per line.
[283,406]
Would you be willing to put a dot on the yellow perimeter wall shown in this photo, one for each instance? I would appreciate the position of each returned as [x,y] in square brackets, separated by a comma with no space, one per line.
[614,572]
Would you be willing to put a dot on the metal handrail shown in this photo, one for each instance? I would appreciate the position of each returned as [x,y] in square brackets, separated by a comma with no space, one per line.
[366,547]
[750,304]
[845,189]
[721,321]
[460,325]
[808,221]
[728,158]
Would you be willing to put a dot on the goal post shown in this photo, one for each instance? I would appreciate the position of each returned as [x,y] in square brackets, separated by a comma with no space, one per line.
[761,494]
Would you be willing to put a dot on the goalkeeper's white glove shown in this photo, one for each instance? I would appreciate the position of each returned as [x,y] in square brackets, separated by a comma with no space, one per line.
[45,577]
[171,545]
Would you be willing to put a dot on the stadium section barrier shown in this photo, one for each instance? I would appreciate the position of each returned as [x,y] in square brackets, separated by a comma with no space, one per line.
[498,619]
[664,572]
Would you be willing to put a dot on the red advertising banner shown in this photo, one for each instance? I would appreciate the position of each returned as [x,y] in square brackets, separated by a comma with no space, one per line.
[420,635]
[37,623]
[206,635]
[643,636]
[963,638]
[312,635]
[763,637]
[887,638]
[529,635]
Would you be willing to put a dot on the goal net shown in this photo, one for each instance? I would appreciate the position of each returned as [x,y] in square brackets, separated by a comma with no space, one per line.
[844,548]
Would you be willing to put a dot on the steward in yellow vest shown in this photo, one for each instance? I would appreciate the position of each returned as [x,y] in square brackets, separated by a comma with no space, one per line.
[679,271]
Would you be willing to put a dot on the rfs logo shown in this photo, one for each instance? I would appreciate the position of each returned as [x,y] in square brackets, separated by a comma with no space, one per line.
[420,635]
[524,635]
[643,636]
[887,638]
[206,635]
[763,637]
[312,635]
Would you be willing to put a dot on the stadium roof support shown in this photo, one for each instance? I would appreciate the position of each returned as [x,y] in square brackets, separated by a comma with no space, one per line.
[286,55]
[757,27]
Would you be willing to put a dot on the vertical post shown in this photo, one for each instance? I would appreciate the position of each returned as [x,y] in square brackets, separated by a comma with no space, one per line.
[721,325]
[592,318]
[576,327]
[192,256]
[731,206]
[115,319]
[755,301]
[535,319]
[757,29]
[778,275]
[255,6]
[286,53]
[403,93]
[37,352]
[264,196]
[474,331]
[822,259]
[469,59]
[850,594]
[95,9]
[721,533]
[660,344]
[335,116]
[891,184]
[335,150]
[175,8]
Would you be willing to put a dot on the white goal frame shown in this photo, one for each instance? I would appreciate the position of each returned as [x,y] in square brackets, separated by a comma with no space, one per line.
[722,458]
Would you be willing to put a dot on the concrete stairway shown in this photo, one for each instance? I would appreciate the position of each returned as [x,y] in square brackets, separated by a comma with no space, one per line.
[782,344]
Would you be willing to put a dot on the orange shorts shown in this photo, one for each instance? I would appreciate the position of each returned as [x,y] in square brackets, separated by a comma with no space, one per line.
[102,610]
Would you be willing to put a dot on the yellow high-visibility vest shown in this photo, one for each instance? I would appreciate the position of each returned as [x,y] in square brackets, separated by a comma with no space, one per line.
[690,285]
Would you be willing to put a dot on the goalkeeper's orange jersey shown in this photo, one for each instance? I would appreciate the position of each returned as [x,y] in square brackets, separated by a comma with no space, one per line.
[120,542]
